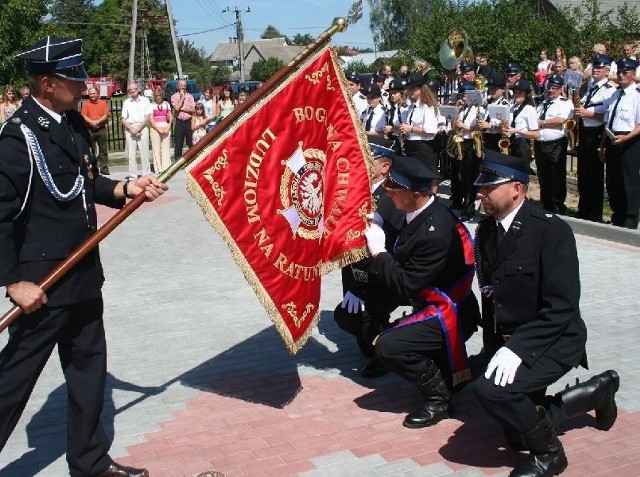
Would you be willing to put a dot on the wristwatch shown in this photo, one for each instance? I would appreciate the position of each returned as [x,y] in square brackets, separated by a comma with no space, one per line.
[125,187]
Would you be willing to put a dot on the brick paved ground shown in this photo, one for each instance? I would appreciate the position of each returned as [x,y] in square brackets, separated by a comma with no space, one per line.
[199,380]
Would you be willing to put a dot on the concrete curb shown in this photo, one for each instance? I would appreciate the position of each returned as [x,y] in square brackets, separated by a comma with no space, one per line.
[603,231]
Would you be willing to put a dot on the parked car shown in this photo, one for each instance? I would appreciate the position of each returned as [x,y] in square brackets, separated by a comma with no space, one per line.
[171,87]
[244,86]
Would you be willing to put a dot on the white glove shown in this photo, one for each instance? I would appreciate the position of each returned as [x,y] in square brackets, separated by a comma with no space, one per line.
[376,218]
[375,239]
[505,363]
[352,303]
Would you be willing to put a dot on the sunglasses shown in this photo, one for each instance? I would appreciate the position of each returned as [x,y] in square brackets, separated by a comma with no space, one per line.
[390,184]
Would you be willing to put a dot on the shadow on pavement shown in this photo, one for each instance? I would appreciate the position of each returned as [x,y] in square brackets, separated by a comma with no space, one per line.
[51,420]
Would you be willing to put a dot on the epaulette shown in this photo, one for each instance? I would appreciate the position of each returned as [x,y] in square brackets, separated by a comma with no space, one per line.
[638,88]
[542,214]
[504,101]
[362,96]
[607,85]
[562,98]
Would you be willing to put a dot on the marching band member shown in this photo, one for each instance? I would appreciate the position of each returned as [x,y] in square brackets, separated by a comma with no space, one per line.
[394,113]
[621,114]
[551,146]
[359,99]
[590,167]
[466,123]
[374,118]
[420,123]
[524,121]
[492,127]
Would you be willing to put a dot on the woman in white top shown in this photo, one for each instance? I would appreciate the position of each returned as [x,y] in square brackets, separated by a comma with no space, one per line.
[524,121]
[420,122]
[226,103]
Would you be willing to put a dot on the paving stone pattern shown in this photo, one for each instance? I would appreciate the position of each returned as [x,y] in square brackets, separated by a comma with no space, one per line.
[200,381]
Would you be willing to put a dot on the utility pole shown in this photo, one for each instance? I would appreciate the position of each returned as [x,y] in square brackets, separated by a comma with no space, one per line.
[173,40]
[240,37]
[132,46]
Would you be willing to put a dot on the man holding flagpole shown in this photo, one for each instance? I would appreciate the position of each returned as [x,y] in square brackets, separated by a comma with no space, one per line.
[49,188]
[430,266]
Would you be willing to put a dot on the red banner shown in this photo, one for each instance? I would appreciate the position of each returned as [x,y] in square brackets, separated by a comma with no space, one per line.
[287,186]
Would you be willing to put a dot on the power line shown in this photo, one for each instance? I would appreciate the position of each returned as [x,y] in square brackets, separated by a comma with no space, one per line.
[207,31]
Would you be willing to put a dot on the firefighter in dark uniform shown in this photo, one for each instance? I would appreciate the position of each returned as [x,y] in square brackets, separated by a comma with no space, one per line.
[430,267]
[49,185]
[527,268]
[621,115]
[590,130]
[365,309]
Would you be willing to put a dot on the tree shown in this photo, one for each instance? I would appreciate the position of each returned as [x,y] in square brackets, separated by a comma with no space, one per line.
[392,22]
[71,17]
[302,40]
[271,32]
[21,25]
[262,70]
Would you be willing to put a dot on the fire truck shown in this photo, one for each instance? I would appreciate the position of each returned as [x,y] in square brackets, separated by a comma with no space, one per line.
[106,86]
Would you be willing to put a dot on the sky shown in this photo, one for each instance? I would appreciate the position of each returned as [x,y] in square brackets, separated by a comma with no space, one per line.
[203,23]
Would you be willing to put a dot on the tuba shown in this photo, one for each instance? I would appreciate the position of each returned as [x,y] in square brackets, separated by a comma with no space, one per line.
[455,49]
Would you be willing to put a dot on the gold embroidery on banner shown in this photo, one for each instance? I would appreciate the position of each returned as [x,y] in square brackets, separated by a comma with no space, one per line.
[317,75]
[217,189]
[291,309]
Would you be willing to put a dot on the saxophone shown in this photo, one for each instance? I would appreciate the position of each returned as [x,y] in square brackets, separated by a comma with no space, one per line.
[504,143]
[570,126]
[454,142]
[478,141]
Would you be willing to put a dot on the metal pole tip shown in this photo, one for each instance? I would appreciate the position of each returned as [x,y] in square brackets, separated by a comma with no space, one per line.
[340,24]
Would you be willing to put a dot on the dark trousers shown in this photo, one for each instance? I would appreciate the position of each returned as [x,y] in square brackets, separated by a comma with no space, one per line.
[99,139]
[551,167]
[468,174]
[79,333]
[181,131]
[623,183]
[409,350]
[590,174]
[426,151]
[514,405]
[521,148]
[491,141]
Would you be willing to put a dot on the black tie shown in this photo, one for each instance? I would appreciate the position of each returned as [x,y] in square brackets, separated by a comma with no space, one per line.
[64,124]
[413,108]
[499,237]
[615,107]
[592,91]
[544,110]
[367,125]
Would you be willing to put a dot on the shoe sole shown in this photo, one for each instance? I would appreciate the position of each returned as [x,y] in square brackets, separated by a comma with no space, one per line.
[616,385]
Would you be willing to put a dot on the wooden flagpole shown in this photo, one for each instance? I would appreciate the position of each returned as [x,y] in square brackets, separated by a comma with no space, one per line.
[339,25]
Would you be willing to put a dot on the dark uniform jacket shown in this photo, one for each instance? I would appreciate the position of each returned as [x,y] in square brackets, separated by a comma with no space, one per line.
[34,241]
[536,288]
[355,277]
[428,253]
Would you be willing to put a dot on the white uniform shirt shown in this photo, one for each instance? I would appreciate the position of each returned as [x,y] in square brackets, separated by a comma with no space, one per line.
[468,117]
[596,93]
[378,118]
[422,116]
[527,120]
[628,110]
[135,111]
[360,102]
[558,108]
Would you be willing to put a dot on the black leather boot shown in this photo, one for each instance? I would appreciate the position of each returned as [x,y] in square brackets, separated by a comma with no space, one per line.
[437,400]
[515,440]
[597,393]
[547,456]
